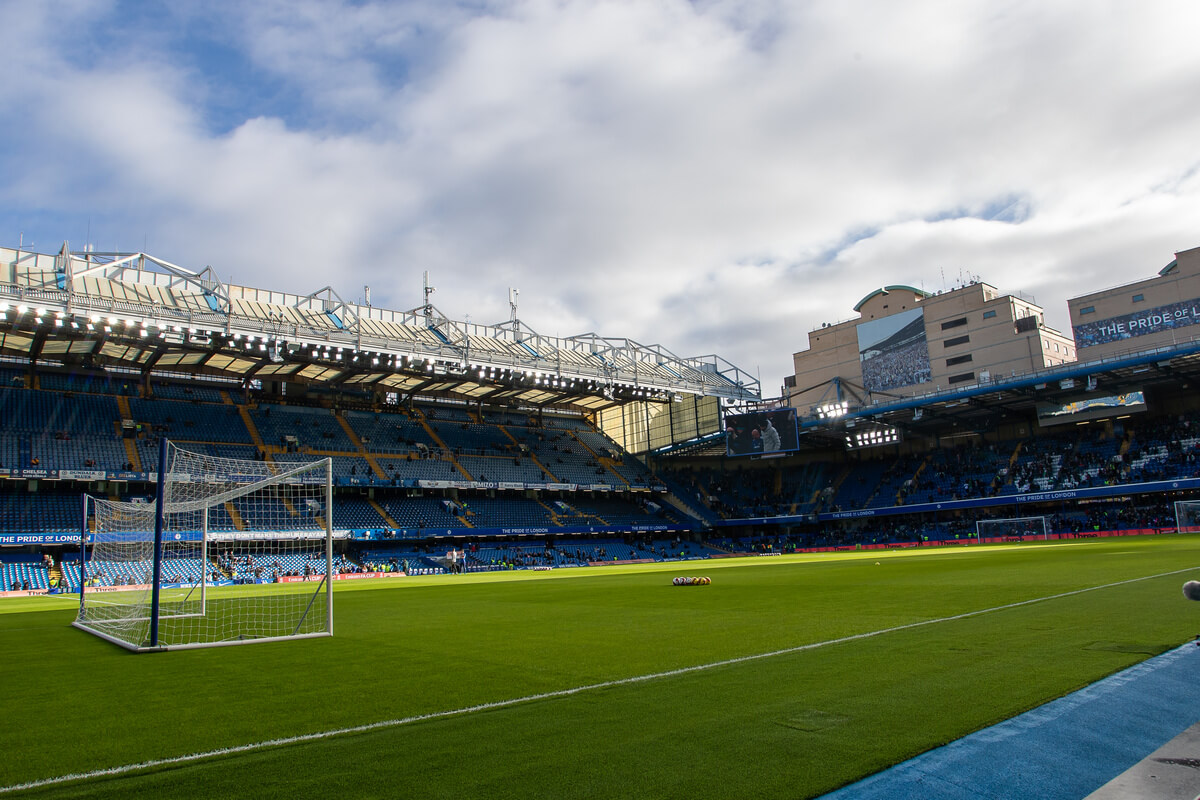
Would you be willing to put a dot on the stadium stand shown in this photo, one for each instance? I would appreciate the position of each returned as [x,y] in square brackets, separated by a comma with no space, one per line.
[381,457]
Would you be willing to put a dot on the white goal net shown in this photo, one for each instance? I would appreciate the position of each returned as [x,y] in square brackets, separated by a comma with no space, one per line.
[1187,516]
[246,551]
[1011,529]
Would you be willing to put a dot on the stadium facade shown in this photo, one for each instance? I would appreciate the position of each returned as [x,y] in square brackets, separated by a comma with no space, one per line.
[906,342]
[520,449]
[1158,312]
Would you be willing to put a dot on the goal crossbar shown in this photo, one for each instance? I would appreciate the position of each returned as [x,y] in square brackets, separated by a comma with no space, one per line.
[207,564]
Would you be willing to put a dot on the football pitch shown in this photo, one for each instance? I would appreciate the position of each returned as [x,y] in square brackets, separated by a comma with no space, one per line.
[786,677]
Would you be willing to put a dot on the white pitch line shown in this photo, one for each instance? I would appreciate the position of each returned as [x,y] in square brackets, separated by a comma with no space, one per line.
[395,723]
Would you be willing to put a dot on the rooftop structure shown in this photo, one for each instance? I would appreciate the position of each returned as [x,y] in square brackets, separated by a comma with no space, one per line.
[907,342]
[137,312]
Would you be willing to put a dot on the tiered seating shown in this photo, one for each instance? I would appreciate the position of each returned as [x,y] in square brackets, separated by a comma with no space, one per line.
[677,549]
[86,384]
[119,573]
[616,511]
[434,468]
[1092,463]
[418,563]
[566,423]
[50,430]
[191,422]
[267,566]
[446,413]
[314,428]
[421,512]
[343,466]
[37,513]
[1037,465]
[687,490]
[499,512]
[23,571]
[603,550]
[473,438]
[1170,449]
[356,512]
[860,485]
[387,432]
[271,514]
[517,556]
[196,392]
[70,571]
[501,468]
[896,481]
[564,458]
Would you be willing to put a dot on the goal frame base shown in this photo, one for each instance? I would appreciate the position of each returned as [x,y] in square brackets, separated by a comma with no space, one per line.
[162,648]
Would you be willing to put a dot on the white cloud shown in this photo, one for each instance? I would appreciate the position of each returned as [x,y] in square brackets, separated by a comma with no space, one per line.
[720,177]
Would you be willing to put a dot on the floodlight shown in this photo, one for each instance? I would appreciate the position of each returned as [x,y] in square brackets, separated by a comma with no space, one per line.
[833,410]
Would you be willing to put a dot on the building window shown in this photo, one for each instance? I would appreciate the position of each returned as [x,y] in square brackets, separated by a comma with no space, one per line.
[957,340]
[989,314]
[1137,298]
[950,362]
[954,323]
[963,378]
[1056,347]
[1087,310]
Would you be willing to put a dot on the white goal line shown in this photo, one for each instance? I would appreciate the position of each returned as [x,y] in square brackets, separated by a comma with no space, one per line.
[434,715]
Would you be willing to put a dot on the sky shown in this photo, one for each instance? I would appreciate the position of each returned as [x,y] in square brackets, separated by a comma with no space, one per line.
[716,177]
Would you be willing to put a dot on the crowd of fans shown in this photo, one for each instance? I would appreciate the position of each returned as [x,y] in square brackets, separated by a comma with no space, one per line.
[902,366]
[1099,455]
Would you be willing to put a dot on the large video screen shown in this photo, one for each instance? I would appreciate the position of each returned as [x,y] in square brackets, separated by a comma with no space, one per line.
[893,351]
[761,432]
[1090,408]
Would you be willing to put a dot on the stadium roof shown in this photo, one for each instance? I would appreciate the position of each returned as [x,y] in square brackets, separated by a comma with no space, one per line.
[885,289]
[974,410]
[135,311]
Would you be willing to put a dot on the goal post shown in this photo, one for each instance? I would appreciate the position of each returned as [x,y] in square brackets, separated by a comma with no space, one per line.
[231,551]
[1187,516]
[1011,529]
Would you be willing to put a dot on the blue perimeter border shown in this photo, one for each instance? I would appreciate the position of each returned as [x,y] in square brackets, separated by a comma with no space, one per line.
[1063,750]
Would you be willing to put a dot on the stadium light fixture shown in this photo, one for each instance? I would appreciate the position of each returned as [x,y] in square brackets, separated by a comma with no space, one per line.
[873,437]
[833,410]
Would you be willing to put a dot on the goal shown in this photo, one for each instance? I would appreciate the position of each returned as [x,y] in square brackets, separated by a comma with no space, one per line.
[231,551]
[1187,516]
[1011,528]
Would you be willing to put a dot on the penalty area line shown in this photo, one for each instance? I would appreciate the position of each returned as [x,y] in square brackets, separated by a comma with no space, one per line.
[498,704]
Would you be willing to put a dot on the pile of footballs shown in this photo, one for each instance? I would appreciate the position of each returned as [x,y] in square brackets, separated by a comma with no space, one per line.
[691,581]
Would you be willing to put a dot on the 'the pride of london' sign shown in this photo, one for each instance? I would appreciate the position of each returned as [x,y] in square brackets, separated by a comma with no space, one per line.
[1139,323]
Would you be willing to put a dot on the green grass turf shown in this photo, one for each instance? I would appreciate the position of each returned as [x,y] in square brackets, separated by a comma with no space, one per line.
[791,725]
